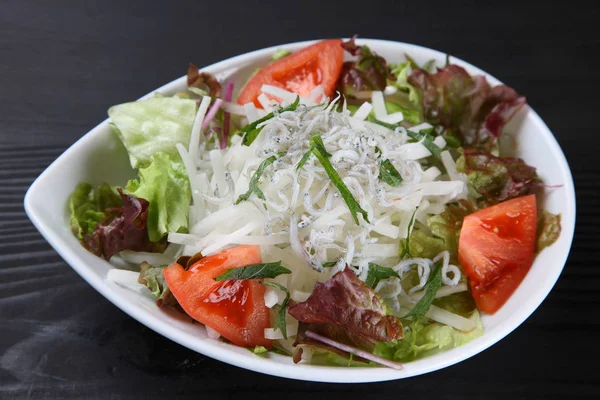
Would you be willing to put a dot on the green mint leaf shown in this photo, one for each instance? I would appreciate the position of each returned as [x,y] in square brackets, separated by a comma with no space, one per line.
[423,135]
[304,158]
[317,142]
[406,250]
[253,186]
[452,141]
[251,136]
[431,288]
[329,264]
[252,131]
[377,273]
[282,310]
[389,174]
[254,271]
[322,155]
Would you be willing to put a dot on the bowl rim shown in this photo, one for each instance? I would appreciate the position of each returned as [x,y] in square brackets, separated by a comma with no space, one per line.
[272,367]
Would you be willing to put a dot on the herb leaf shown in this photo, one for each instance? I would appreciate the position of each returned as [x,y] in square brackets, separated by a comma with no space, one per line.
[253,186]
[282,310]
[322,155]
[254,271]
[304,158]
[424,135]
[252,131]
[426,138]
[389,174]
[329,264]
[452,141]
[406,249]
[431,288]
[377,273]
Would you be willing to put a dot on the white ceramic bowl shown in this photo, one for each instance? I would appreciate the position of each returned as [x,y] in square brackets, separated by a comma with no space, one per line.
[99,156]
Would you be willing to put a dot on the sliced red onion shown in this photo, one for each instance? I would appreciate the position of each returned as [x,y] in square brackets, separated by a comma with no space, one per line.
[210,115]
[227,118]
[350,349]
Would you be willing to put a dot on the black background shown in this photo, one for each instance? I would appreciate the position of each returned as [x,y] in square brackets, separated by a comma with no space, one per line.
[63,63]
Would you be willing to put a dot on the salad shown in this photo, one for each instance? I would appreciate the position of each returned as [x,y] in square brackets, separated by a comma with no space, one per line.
[346,213]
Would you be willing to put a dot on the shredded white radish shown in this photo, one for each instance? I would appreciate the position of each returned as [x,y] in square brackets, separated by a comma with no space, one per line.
[287,97]
[211,333]
[442,292]
[271,297]
[137,257]
[265,102]
[420,127]
[389,90]
[380,250]
[316,96]
[233,108]
[197,127]
[275,334]
[363,111]
[454,320]
[378,105]
[393,118]
[182,238]
[440,142]
[224,240]
[251,112]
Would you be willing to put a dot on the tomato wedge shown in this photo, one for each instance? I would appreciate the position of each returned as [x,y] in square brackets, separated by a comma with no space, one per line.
[300,72]
[235,309]
[496,250]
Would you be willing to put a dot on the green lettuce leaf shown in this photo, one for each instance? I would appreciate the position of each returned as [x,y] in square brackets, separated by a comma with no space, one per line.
[87,205]
[164,184]
[425,246]
[328,358]
[147,127]
[154,280]
[494,179]
[402,72]
[422,339]
[458,303]
[548,229]
[260,350]
[411,115]
[447,225]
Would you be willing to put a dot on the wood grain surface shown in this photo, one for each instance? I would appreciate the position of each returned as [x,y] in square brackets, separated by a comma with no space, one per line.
[62,64]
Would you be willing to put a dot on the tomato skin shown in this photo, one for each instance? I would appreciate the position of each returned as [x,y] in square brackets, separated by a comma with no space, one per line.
[300,72]
[235,309]
[496,249]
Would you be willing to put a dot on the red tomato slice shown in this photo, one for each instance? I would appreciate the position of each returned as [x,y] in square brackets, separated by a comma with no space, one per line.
[300,72]
[235,309]
[496,250]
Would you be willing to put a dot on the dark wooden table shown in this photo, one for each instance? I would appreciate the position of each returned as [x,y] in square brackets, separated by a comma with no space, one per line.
[63,63]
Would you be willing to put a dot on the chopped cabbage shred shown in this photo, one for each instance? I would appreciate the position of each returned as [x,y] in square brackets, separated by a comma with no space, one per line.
[303,221]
